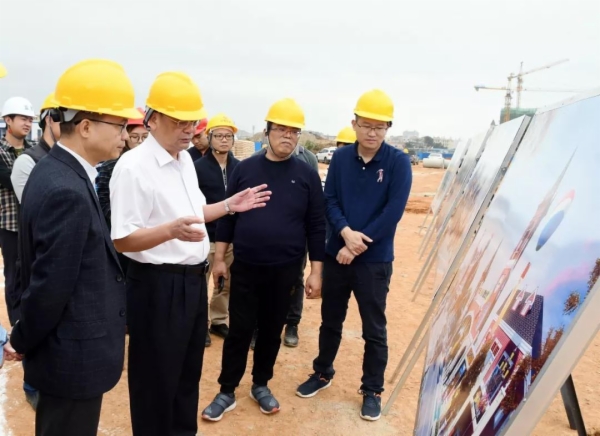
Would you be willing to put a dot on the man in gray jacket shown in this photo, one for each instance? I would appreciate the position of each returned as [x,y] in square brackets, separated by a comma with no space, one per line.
[290,338]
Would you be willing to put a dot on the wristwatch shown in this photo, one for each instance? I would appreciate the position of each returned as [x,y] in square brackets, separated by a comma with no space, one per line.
[227,208]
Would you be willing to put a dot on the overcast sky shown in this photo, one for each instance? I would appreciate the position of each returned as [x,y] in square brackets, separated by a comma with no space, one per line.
[427,55]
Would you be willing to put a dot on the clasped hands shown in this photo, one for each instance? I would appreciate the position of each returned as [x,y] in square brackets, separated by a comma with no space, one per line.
[355,245]
[10,354]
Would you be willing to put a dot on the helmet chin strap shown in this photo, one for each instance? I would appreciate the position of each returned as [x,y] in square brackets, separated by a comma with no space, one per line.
[273,150]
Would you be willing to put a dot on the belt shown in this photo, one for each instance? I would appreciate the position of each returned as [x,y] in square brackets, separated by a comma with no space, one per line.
[199,269]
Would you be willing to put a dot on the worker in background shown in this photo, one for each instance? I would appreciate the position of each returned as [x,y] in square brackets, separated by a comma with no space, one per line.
[71,328]
[136,134]
[269,247]
[7,352]
[366,190]
[290,335]
[214,171]
[50,124]
[50,118]
[199,140]
[18,114]
[158,221]
[346,136]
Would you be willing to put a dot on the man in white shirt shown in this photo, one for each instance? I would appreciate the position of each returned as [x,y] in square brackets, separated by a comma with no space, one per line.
[158,216]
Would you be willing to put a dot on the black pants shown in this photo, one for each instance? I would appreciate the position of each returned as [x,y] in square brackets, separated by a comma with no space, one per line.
[370,283]
[9,242]
[297,302]
[260,295]
[167,328]
[64,417]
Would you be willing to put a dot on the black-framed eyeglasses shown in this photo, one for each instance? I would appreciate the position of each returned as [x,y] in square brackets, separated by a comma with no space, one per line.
[377,129]
[138,138]
[122,126]
[221,136]
[284,130]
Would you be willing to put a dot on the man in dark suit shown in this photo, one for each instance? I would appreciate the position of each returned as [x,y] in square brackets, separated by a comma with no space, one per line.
[72,324]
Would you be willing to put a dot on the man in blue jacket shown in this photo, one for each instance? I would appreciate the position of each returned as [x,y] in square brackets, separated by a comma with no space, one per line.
[366,191]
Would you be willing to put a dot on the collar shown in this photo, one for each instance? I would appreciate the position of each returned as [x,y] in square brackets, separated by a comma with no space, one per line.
[8,146]
[378,156]
[89,169]
[162,156]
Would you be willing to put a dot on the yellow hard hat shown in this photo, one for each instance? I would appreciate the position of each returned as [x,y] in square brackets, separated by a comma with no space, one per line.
[347,135]
[49,103]
[176,95]
[220,120]
[97,85]
[3,71]
[286,112]
[406,150]
[375,105]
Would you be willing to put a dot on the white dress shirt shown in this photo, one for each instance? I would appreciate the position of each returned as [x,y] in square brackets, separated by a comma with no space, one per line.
[149,188]
[91,172]
[20,173]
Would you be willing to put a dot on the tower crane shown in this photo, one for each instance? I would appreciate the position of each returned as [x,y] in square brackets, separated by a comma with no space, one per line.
[509,90]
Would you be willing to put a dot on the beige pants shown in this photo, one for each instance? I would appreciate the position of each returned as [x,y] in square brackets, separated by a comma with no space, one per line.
[218,310]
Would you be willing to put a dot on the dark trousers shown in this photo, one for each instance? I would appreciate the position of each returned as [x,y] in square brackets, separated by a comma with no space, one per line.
[370,283]
[260,295]
[9,242]
[64,417]
[297,301]
[167,321]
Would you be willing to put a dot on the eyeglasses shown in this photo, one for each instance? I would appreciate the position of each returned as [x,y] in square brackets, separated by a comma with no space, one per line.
[221,136]
[121,126]
[282,131]
[377,129]
[179,124]
[138,138]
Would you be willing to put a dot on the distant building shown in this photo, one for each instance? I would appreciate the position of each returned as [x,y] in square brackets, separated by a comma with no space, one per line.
[407,135]
[443,141]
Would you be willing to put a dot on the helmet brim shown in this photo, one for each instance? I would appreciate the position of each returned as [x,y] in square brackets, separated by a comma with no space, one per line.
[285,123]
[372,116]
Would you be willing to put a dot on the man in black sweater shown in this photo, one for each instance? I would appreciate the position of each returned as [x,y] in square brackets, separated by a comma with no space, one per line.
[213,171]
[269,247]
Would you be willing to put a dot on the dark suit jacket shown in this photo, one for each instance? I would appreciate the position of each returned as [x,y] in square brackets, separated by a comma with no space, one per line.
[72,324]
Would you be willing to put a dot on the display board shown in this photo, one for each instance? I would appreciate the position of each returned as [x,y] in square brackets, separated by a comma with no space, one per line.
[519,313]
[450,174]
[499,149]
[475,146]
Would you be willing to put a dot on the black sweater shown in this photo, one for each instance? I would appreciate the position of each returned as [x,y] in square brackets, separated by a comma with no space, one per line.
[294,217]
[212,183]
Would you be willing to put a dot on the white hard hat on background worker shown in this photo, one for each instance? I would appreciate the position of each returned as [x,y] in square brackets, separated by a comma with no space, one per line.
[17,106]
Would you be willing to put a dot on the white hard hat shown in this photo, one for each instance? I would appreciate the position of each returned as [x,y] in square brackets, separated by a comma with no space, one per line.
[17,106]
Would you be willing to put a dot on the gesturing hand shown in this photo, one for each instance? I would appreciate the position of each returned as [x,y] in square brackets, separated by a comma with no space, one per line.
[187,229]
[355,241]
[249,199]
